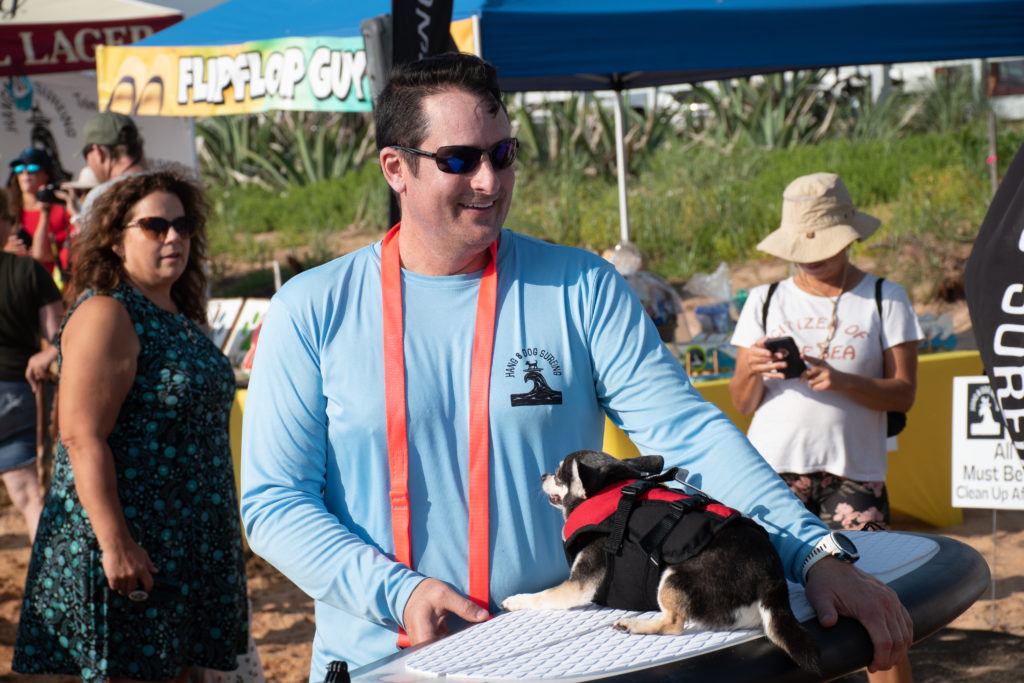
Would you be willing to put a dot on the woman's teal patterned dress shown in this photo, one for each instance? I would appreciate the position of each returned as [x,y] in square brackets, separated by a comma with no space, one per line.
[176,485]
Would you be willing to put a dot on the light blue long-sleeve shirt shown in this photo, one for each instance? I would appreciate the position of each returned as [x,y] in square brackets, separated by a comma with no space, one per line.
[315,475]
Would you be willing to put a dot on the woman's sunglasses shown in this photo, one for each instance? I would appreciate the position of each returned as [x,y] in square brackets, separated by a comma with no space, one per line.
[27,168]
[155,227]
[459,159]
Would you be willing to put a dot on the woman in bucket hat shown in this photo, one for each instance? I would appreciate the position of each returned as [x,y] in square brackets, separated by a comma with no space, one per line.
[825,431]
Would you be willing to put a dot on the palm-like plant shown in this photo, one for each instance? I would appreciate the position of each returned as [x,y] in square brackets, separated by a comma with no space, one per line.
[280,149]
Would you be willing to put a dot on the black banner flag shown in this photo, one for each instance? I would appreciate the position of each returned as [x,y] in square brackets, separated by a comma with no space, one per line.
[994,284]
[420,28]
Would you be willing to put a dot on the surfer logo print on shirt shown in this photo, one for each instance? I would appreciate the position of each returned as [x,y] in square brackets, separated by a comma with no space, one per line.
[533,363]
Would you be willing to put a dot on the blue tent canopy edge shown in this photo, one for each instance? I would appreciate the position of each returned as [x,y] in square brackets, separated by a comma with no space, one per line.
[571,45]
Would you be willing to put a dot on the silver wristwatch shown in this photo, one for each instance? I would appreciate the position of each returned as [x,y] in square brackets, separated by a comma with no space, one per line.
[835,544]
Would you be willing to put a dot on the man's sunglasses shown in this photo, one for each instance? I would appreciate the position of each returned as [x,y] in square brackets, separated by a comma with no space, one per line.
[459,159]
[155,227]
[27,168]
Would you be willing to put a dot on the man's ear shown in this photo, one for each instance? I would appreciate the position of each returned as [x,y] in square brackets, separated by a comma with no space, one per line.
[393,166]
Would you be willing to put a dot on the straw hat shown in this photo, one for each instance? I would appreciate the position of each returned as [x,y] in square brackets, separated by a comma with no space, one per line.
[818,220]
[86,180]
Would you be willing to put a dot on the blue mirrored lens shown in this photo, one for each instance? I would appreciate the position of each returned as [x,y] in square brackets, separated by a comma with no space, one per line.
[457,164]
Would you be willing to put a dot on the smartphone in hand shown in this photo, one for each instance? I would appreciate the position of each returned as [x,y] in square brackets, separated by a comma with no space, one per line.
[795,365]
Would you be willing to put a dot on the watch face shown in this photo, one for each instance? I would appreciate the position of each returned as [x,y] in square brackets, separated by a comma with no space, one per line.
[846,545]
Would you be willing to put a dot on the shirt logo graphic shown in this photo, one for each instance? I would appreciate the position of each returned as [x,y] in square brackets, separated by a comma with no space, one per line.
[541,394]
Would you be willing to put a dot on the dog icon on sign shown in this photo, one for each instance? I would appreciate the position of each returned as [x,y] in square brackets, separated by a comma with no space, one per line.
[984,421]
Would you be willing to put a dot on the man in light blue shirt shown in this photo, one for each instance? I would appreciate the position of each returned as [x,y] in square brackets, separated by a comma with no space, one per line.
[326,424]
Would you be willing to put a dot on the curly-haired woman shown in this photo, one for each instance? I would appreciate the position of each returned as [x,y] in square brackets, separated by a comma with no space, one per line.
[137,572]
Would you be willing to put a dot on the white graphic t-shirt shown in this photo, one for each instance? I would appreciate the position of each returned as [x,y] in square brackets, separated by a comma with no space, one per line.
[799,430]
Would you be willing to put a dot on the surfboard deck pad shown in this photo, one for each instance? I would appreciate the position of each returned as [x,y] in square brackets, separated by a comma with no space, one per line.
[580,644]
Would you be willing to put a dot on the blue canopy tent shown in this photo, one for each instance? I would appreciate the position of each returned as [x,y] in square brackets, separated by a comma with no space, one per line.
[612,44]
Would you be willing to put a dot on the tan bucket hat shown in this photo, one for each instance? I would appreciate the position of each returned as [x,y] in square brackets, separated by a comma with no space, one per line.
[818,220]
[86,180]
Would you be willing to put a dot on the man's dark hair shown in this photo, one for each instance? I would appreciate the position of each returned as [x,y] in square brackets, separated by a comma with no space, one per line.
[129,144]
[398,114]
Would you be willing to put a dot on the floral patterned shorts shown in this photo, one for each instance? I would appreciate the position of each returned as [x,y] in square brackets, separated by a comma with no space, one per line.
[839,502]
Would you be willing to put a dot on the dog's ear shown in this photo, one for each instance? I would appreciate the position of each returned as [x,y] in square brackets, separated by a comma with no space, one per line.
[595,470]
[646,464]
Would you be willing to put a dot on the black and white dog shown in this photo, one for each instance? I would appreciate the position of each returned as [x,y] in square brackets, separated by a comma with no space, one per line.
[633,544]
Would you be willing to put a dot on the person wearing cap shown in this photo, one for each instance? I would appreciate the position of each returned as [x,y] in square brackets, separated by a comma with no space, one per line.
[113,149]
[112,146]
[42,222]
[825,431]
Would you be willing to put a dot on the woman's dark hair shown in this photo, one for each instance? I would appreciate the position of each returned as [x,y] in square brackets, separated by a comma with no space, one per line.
[97,267]
[398,113]
[5,208]
[14,194]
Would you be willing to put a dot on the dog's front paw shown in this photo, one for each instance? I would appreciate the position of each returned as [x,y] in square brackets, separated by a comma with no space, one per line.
[518,602]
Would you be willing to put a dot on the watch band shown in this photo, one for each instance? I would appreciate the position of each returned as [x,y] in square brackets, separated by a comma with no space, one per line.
[832,544]
[816,556]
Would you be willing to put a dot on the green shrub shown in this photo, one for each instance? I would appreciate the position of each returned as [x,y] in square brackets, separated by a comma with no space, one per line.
[693,203]
[299,215]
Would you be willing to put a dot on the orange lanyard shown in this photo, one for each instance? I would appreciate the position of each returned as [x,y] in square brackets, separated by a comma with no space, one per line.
[479,427]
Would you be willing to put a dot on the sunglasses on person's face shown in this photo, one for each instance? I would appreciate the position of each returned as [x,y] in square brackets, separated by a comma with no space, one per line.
[460,159]
[27,168]
[155,227]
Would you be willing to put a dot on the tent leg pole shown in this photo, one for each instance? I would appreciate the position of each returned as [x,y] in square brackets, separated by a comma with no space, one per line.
[620,166]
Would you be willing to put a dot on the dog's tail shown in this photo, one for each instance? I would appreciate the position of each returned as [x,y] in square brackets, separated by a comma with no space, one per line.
[782,628]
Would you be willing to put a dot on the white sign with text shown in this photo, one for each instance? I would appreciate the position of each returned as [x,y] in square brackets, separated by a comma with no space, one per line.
[987,472]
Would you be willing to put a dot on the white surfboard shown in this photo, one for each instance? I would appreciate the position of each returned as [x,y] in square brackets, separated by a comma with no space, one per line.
[937,579]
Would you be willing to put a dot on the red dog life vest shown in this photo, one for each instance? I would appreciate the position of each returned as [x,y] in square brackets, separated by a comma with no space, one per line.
[645,526]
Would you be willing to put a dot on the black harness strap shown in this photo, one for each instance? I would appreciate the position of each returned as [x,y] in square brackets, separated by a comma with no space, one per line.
[654,540]
[630,495]
[613,543]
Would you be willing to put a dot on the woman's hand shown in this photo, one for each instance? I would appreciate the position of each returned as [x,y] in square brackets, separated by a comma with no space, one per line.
[820,376]
[16,245]
[127,567]
[754,364]
[761,361]
[37,370]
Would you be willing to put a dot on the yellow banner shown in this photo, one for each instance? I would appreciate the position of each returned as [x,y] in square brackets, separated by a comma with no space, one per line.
[307,74]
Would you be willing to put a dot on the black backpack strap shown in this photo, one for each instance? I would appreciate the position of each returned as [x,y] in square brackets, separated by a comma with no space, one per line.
[764,309]
[878,295]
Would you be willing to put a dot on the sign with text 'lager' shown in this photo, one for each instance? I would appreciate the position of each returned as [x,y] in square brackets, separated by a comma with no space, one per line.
[301,74]
[986,470]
